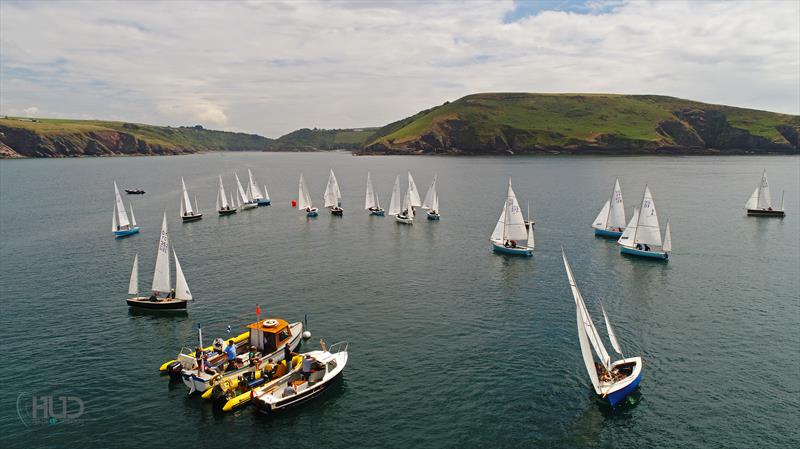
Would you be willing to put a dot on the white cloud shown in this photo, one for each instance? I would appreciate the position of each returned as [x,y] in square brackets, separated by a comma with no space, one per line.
[271,68]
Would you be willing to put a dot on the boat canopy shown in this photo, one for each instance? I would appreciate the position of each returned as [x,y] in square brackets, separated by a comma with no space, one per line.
[269,334]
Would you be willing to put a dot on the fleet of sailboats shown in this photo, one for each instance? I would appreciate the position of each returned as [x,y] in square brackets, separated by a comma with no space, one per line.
[760,202]
[173,299]
[304,199]
[510,229]
[224,206]
[333,196]
[121,226]
[610,222]
[372,203]
[188,213]
[642,236]
[431,202]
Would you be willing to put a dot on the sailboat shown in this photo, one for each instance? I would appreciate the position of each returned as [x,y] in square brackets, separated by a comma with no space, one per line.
[261,199]
[406,215]
[333,196]
[610,222]
[413,192]
[304,199]
[176,298]
[760,202]
[243,200]
[612,381]
[223,206]
[121,226]
[371,203]
[511,228]
[643,231]
[187,212]
[431,202]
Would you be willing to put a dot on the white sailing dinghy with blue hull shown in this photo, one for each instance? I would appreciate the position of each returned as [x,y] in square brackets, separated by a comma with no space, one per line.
[642,236]
[187,212]
[610,222]
[333,196]
[760,202]
[510,229]
[611,381]
[372,203]
[121,226]
[431,202]
[261,199]
[304,199]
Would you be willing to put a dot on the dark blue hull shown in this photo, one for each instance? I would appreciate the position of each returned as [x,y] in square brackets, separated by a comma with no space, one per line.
[620,395]
[264,202]
[640,253]
[608,234]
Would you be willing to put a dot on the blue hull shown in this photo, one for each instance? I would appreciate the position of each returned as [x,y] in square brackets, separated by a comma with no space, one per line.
[649,254]
[620,395]
[264,202]
[311,214]
[433,217]
[606,233]
[512,251]
[127,232]
[377,213]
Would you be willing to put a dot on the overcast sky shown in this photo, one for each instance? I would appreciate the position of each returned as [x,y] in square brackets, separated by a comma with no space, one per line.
[270,68]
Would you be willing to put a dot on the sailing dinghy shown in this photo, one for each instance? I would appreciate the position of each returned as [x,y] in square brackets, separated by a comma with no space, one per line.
[642,236]
[406,215]
[760,202]
[261,199]
[613,382]
[333,196]
[610,222]
[243,200]
[121,226]
[511,229]
[304,199]
[187,212]
[431,202]
[371,203]
[175,299]
[223,206]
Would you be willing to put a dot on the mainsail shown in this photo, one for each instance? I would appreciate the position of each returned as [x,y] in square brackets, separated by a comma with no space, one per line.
[371,201]
[616,216]
[161,282]
[222,199]
[394,203]
[133,285]
[667,247]
[764,195]
[186,204]
[243,198]
[181,287]
[122,216]
[303,198]
[648,231]
[332,193]
[626,239]
[428,202]
[255,193]
[413,193]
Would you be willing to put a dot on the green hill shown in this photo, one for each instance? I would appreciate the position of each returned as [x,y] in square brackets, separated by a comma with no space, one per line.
[62,138]
[503,123]
[323,139]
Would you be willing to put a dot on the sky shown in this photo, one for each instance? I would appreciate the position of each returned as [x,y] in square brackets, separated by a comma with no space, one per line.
[272,67]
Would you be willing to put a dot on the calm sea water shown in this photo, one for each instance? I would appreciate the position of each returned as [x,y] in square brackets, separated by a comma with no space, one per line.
[450,344]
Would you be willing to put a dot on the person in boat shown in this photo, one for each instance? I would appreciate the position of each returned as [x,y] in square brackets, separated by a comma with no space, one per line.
[230,352]
[289,390]
[171,294]
[287,356]
[270,368]
[252,356]
[602,372]
[198,356]
[153,297]
[513,243]
[639,246]
[506,244]
[646,247]
[308,364]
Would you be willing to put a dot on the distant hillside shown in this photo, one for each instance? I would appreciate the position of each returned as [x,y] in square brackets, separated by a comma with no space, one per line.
[21,137]
[323,139]
[512,123]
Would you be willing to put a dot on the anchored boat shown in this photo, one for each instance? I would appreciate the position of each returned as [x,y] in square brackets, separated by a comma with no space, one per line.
[642,236]
[611,381]
[304,199]
[174,299]
[223,206]
[510,229]
[187,212]
[760,202]
[333,196]
[610,222]
[431,202]
[371,203]
[120,225]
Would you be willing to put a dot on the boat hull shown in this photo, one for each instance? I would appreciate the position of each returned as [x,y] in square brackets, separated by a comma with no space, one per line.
[126,232]
[226,212]
[172,305]
[337,212]
[433,216]
[312,213]
[299,398]
[263,202]
[619,393]
[765,213]
[247,206]
[607,233]
[659,255]
[408,221]
[377,213]
[518,251]
[134,192]
[190,218]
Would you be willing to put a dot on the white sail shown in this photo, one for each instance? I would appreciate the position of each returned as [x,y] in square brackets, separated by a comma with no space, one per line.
[667,247]
[394,203]
[611,335]
[648,231]
[181,287]
[332,195]
[196,208]
[114,219]
[133,218]
[413,193]
[626,239]
[497,234]
[222,200]
[531,242]
[255,193]
[266,194]
[133,285]
[243,198]
[764,195]
[426,204]
[217,205]
[616,216]
[122,216]
[186,207]
[586,351]
[601,222]
[783,192]
[514,221]
[371,200]
[303,198]
[752,202]
[161,282]
[434,204]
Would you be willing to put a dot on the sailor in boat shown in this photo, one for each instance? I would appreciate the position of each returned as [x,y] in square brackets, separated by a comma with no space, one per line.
[289,390]
[270,368]
[230,351]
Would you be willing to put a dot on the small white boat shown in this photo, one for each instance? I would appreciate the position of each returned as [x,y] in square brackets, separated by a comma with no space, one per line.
[611,381]
[610,222]
[243,200]
[304,199]
[187,212]
[371,203]
[173,299]
[223,206]
[406,215]
[642,236]
[121,226]
[760,202]
[510,229]
[297,388]
[333,196]
[431,202]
